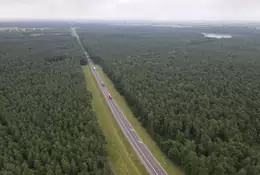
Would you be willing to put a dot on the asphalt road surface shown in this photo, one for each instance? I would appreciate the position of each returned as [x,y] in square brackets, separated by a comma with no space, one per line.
[151,164]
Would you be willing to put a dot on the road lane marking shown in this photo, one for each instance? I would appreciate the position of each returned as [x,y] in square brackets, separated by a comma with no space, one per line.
[119,116]
[144,144]
[133,139]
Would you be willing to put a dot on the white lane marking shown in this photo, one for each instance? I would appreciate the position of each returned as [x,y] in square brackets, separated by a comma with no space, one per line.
[96,75]
[129,136]
[124,128]
[134,141]
[123,124]
[143,144]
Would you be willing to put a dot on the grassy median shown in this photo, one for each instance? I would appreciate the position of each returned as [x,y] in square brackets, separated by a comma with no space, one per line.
[169,167]
[122,157]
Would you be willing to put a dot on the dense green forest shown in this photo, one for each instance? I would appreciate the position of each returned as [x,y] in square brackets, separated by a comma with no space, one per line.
[199,98]
[47,125]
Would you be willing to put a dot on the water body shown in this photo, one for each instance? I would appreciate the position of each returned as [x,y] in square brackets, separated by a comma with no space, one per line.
[215,35]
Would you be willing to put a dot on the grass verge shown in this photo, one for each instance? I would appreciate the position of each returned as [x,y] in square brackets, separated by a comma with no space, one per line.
[122,157]
[167,164]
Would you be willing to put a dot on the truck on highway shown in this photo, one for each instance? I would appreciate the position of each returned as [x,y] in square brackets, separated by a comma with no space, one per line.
[109,96]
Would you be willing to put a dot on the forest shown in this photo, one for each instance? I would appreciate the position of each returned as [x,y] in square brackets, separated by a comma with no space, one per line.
[199,98]
[47,124]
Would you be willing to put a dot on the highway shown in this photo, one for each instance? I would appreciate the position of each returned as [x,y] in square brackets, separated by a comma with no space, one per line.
[151,164]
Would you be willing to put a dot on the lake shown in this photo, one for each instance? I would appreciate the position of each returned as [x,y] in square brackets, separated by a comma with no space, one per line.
[215,35]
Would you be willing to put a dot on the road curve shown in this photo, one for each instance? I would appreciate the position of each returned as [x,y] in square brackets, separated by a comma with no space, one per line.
[146,157]
[152,166]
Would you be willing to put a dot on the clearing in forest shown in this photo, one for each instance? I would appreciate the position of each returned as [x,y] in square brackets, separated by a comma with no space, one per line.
[167,164]
[122,157]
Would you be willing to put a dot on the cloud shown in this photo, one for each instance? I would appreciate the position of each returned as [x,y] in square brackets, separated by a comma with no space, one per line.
[132,9]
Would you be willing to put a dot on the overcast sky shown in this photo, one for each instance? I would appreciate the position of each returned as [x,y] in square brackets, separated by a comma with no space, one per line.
[132,9]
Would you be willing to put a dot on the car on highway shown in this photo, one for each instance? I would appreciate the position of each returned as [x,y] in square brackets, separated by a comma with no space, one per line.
[94,68]
[103,84]
[109,96]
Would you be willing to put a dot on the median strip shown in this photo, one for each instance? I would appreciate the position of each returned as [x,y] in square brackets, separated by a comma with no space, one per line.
[122,158]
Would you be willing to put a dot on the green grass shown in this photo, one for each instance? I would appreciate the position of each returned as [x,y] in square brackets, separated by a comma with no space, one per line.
[167,164]
[122,157]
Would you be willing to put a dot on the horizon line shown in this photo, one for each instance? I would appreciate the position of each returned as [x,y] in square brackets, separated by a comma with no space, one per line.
[165,20]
